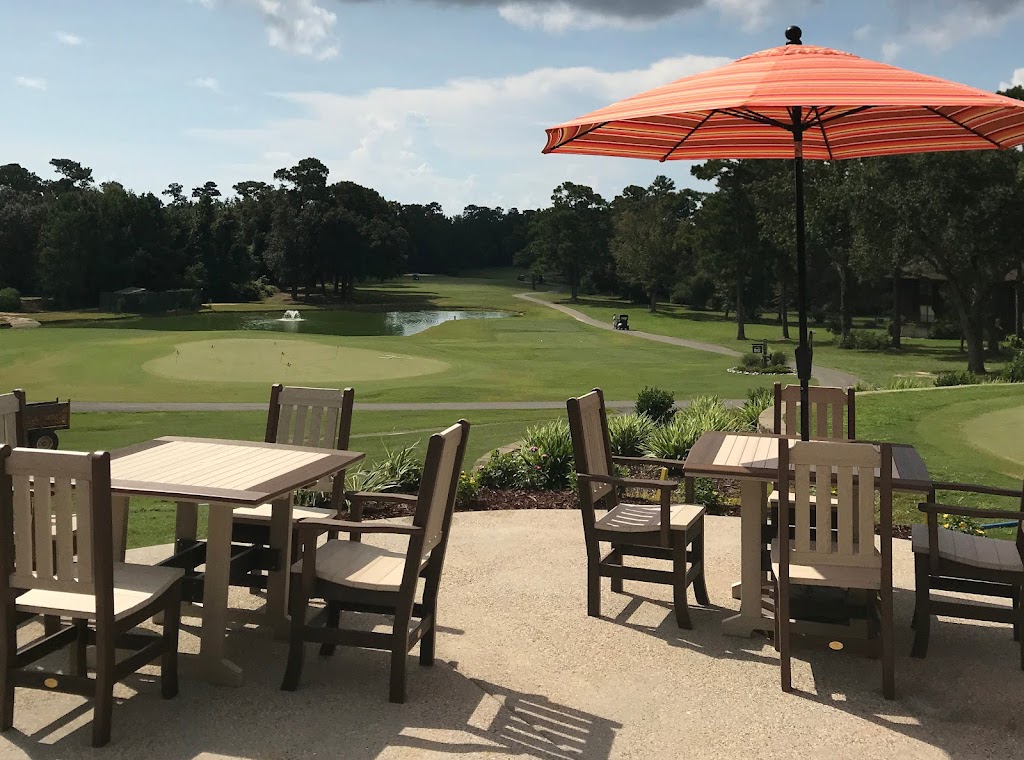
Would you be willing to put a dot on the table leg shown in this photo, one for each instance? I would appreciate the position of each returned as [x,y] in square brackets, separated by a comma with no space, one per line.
[751,617]
[277,580]
[119,518]
[186,520]
[214,666]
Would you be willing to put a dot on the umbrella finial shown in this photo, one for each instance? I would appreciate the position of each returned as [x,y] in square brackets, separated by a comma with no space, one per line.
[793,34]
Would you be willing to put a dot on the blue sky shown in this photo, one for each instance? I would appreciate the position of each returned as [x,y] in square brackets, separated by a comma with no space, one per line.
[422,100]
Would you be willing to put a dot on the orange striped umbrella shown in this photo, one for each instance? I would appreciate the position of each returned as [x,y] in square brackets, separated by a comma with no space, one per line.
[796,101]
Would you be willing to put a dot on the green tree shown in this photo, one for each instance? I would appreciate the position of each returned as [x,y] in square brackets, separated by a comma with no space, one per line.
[648,244]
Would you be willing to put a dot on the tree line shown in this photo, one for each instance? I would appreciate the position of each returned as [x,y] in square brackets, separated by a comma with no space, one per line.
[69,239]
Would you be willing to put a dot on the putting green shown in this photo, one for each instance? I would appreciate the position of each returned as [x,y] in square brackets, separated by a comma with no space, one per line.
[261,360]
[998,433]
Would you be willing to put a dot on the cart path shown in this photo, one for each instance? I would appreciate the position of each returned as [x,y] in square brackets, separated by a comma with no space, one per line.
[825,376]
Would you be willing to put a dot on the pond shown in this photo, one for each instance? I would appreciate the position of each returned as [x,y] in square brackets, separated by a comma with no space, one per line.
[321,322]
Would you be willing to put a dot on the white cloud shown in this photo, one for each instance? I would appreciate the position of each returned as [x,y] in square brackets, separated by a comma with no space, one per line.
[561,17]
[300,27]
[565,15]
[863,33]
[206,83]
[465,141]
[1016,81]
[958,21]
[67,38]
[32,83]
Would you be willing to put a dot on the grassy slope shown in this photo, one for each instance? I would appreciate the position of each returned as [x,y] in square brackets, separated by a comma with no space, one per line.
[372,432]
[541,355]
[939,423]
[918,355]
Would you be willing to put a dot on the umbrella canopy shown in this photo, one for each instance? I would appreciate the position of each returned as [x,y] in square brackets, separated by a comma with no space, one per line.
[796,101]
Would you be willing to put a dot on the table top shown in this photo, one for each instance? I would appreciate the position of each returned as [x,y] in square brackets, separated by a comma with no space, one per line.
[208,469]
[755,456]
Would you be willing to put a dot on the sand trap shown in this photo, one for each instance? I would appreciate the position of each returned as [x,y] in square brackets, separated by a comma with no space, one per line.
[259,360]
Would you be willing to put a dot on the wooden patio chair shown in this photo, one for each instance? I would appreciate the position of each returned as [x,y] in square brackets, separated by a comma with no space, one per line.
[667,531]
[12,418]
[318,417]
[103,599]
[843,557]
[355,577]
[948,560]
[830,407]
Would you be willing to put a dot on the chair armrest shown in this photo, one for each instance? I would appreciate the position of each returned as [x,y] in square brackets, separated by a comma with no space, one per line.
[930,509]
[322,524]
[661,485]
[675,464]
[975,488]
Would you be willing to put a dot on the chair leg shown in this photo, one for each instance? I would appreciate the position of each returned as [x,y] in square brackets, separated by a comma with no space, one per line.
[1016,616]
[1018,625]
[593,588]
[296,644]
[399,656]
[617,557]
[922,611]
[333,621]
[8,652]
[679,582]
[429,612]
[103,706]
[782,636]
[79,665]
[700,589]
[169,658]
[888,655]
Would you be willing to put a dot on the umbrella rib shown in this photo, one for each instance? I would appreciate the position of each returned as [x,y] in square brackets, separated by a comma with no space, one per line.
[859,109]
[760,118]
[824,134]
[584,133]
[687,136]
[963,126]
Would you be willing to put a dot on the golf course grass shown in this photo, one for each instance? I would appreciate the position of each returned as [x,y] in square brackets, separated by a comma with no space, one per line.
[264,360]
[919,358]
[539,356]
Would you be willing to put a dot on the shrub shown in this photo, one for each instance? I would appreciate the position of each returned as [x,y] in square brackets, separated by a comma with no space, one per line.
[758,399]
[467,488]
[628,434]
[547,456]
[956,377]
[399,470]
[656,404]
[751,362]
[945,329]
[779,359]
[904,383]
[961,524]
[1015,343]
[10,299]
[674,440]
[502,470]
[1013,372]
[864,340]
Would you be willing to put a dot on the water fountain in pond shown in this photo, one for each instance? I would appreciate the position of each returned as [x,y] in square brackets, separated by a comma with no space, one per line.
[292,315]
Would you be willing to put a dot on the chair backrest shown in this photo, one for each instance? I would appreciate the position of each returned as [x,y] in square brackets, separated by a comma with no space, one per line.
[12,418]
[319,417]
[439,488]
[827,406]
[859,470]
[38,538]
[588,426]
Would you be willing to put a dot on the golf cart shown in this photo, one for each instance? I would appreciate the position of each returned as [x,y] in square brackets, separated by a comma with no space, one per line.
[620,321]
[42,421]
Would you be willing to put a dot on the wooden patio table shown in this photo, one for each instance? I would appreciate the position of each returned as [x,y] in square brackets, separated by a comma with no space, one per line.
[752,459]
[224,474]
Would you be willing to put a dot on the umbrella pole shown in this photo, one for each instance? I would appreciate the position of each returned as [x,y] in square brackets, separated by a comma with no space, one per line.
[804,351]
